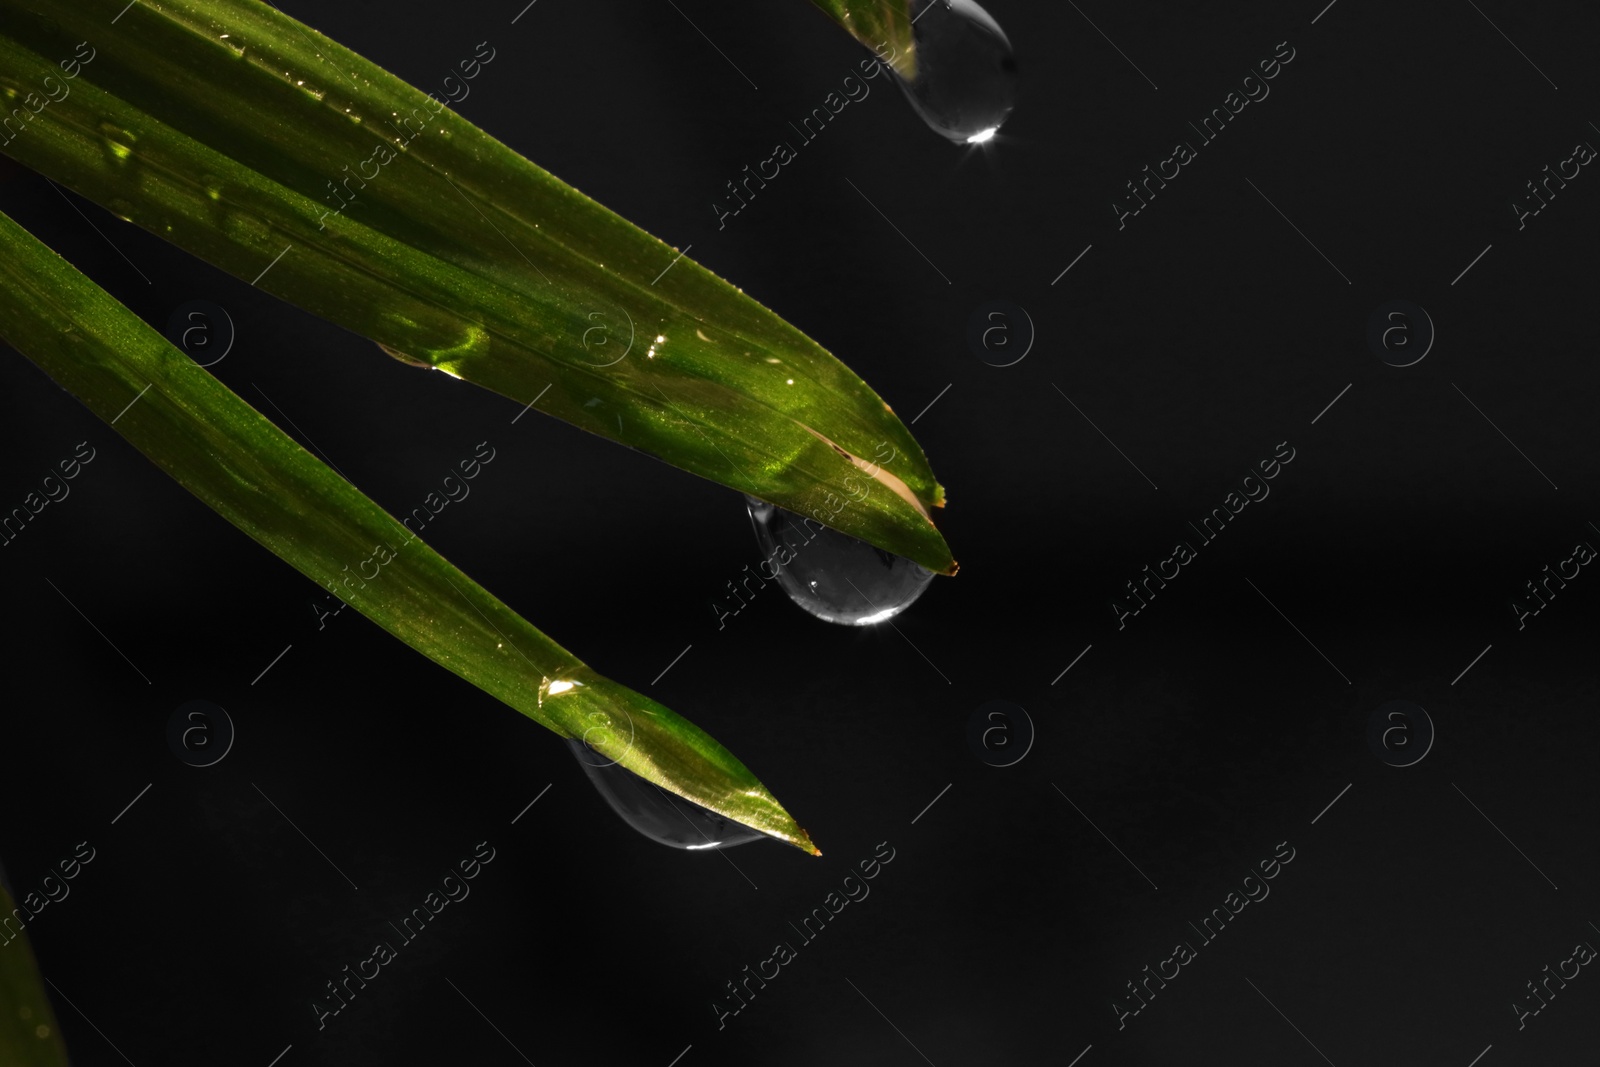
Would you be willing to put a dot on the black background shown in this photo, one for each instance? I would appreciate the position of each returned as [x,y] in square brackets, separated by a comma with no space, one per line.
[1209,729]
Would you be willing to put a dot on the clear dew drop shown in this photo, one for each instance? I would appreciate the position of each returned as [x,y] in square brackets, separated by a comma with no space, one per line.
[966,81]
[117,142]
[345,107]
[662,817]
[832,575]
[403,358]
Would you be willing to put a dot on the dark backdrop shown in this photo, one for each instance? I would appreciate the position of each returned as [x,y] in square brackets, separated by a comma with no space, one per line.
[1224,724]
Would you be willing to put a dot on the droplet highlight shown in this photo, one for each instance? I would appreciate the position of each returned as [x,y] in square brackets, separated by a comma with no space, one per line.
[657,814]
[966,83]
[117,142]
[834,576]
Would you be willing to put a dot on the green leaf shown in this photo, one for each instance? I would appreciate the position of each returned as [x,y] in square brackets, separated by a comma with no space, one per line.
[29,1033]
[256,476]
[882,25]
[280,156]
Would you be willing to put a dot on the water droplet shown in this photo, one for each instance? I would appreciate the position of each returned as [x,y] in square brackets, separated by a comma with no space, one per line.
[832,575]
[121,208]
[212,185]
[657,814]
[966,81]
[403,358]
[118,142]
[439,338]
[470,340]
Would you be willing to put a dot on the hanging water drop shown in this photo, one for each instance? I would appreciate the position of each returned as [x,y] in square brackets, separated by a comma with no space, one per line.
[657,814]
[832,575]
[966,81]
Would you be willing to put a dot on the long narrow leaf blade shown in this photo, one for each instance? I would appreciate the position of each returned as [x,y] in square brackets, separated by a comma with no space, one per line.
[882,25]
[29,1033]
[257,477]
[282,157]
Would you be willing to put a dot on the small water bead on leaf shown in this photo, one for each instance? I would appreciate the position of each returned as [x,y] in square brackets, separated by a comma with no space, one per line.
[657,814]
[403,358]
[966,81]
[117,141]
[832,575]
